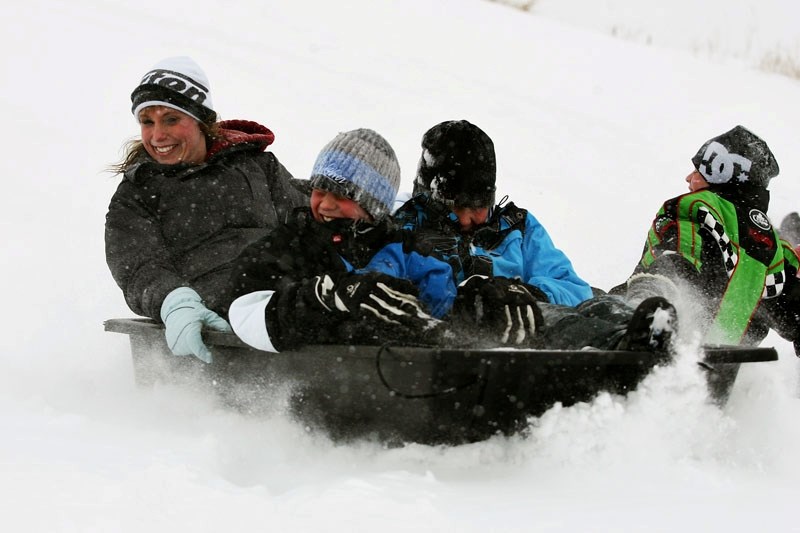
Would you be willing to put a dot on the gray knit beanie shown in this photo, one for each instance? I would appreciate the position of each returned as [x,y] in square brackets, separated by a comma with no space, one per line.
[362,166]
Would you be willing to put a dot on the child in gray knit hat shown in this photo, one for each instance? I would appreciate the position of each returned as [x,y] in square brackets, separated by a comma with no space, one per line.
[337,271]
[361,166]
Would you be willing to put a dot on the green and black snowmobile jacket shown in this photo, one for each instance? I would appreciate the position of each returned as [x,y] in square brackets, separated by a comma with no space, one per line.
[722,243]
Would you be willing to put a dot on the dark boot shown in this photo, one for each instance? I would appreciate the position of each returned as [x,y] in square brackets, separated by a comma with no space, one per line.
[651,328]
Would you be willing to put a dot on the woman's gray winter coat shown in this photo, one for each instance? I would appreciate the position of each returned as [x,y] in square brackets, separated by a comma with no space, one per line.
[170,226]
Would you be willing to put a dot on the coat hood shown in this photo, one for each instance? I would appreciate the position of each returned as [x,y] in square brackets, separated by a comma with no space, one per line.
[233,132]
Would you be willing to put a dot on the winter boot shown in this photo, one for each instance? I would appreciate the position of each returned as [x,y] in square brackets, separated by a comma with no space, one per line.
[651,328]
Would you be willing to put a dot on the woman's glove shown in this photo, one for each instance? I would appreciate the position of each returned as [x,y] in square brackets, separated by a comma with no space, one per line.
[502,305]
[184,316]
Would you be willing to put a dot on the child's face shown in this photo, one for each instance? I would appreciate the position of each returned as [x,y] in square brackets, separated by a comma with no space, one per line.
[696,181]
[471,217]
[327,206]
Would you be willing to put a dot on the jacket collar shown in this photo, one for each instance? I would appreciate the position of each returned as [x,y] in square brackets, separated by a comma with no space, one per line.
[743,195]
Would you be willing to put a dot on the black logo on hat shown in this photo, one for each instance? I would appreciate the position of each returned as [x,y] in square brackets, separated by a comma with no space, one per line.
[175,81]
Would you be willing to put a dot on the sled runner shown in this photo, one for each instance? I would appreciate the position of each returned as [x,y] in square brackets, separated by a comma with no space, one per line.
[402,394]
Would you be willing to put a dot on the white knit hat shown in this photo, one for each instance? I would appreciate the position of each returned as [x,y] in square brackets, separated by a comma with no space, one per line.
[178,83]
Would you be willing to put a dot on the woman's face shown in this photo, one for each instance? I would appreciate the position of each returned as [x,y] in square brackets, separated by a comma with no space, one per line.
[171,137]
[696,181]
[327,206]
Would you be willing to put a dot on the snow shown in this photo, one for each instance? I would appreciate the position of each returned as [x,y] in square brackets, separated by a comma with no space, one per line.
[759,34]
[591,132]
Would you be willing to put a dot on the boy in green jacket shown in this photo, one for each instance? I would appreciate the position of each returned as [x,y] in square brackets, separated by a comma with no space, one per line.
[717,245]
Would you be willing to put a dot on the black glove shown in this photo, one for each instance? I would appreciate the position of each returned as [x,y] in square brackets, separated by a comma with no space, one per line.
[372,294]
[345,307]
[502,305]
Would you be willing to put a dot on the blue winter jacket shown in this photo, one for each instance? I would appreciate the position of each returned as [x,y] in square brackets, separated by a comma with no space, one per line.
[512,244]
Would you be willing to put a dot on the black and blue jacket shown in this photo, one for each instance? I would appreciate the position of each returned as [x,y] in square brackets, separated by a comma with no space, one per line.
[304,248]
[512,244]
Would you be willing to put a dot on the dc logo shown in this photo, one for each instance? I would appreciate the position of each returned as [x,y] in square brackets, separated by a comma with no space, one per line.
[760,219]
[720,165]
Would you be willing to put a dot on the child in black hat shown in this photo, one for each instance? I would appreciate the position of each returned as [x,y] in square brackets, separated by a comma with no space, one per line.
[717,245]
[713,251]
[502,257]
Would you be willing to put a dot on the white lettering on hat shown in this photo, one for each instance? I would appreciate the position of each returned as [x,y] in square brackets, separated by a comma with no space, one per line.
[719,164]
[177,82]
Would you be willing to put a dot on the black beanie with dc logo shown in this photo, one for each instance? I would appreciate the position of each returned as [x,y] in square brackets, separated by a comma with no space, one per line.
[736,156]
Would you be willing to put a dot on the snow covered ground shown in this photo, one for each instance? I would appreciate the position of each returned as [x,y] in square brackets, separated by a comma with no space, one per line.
[591,133]
[760,34]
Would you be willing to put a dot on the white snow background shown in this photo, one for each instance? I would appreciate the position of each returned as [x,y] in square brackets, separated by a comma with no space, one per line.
[591,132]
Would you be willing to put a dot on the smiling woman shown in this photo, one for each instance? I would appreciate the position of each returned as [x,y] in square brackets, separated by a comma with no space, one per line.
[171,137]
[195,192]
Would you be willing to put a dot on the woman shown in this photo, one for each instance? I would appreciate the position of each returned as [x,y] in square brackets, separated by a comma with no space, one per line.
[195,192]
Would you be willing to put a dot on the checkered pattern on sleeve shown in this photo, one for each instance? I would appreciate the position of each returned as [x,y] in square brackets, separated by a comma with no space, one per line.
[773,284]
[717,230]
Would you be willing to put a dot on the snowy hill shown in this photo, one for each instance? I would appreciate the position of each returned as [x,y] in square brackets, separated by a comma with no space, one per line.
[592,132]
[761,35]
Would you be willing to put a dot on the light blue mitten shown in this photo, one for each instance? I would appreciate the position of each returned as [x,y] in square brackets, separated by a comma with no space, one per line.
[184,316]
